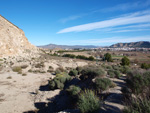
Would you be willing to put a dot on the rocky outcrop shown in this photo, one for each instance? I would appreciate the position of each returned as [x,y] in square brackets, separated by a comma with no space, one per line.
[13,40]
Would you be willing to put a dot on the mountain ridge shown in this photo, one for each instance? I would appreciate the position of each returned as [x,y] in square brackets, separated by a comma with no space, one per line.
[139,44]
[53,46]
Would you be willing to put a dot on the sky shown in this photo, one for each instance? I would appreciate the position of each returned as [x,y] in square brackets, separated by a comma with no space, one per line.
[80,22]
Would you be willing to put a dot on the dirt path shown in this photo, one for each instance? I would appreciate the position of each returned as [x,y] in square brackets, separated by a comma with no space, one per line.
[113,103]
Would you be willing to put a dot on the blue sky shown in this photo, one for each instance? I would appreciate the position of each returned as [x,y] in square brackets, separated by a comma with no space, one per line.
[80,22]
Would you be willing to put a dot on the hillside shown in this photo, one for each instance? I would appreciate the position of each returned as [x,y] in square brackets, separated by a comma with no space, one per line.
[141,44]
[12,39]
[53,46]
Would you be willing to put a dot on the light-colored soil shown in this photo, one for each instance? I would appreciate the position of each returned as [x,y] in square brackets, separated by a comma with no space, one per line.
[19,93]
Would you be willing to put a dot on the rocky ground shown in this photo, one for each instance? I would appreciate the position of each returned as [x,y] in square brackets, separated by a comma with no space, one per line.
[19,91]
[114,102]
[27,90]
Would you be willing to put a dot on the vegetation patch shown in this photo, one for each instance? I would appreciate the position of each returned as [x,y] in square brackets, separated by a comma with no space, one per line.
[73,90]
[88,102]
[17,69]
[91,58]
[91,72]
[102,84]
[73,72]
[24,66]
[59,81]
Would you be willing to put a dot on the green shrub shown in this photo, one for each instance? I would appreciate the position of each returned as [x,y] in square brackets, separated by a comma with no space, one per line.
[90,58]
[139,82]
[81,57]
[145,66]
[51,69]
[91,72]
[73,90]
[111,73]
[24,74]
[69,55]
[59,81]
[73,72]
[117,74]
[115,67]
[52,84]
[88,102]
[30,70]
[103,83]
[9,77]
[108,57]
[59,70]
[59,84]
[24,66]
[40,65]
[17,69]
[125,61]
[138,106]
[108,67]
[124,69]
[79,69]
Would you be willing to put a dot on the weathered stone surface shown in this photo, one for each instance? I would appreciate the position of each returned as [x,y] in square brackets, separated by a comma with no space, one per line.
[13,40]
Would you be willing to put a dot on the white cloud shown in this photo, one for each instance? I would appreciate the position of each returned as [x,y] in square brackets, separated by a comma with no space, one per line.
[131,30]
[134,18]
[64,20]
[126,6]
[114,40]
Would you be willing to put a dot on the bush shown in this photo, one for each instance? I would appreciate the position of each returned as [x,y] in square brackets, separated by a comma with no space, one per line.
[51,69]
[81,57]
[88,102]
[69,55]
[59,70]
[117,74]
[145,66]
[24,66]
[103,83]
[40,65]
[138,106]
[124,69]
[125,61]
[108,57]
[115,67]
[73,90]
[79,69]
[17,69]
[111,73]
[108,67]
[91,72]
[73,72]
[59,81]
[91,58]
[139,83]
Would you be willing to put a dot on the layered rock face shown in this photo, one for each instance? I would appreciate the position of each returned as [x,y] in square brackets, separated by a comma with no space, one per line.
[13,40]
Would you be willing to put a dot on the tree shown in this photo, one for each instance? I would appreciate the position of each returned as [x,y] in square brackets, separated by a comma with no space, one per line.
[125,61]
[108,57]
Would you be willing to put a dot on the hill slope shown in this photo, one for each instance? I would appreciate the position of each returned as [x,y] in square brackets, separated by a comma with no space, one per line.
[141,44]
[12,39]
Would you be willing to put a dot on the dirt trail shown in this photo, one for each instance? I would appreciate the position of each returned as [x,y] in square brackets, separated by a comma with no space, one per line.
[113,103]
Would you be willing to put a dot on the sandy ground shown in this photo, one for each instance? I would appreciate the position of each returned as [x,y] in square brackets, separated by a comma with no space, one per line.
[17,92]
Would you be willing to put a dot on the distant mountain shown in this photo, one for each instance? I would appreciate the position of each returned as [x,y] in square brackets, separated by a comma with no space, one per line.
[53,46]
[141,44]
